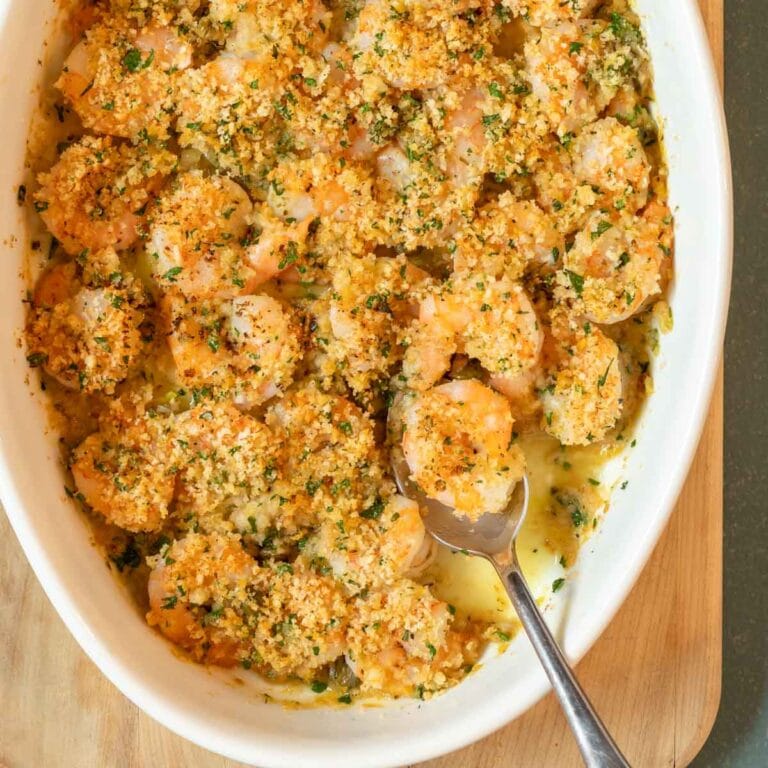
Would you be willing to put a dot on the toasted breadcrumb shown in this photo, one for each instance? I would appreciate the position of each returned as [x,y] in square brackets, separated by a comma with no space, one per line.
[276,224]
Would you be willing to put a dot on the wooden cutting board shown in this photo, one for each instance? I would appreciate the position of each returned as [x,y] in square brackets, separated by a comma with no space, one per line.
[654,675]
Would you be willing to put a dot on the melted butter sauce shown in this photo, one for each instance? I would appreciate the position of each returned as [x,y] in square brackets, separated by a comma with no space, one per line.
[570,489]
[549,541]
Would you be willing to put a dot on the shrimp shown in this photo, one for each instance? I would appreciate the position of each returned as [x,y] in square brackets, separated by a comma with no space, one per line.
[328,200]
[575,68]
[121,82]
[301,196]
[428,354]
[197,589]
[194,245]
[247,348]
[226,112]
[323,462]
[457,445]
[338,58]
[86,337]
[558,190]
[317,187]
[609,156]
[367,309]
[150,9]
[551,168]
[505,237]
[96,194]
[413,44]
[466,162]
[265,340]
[420,207]
[409,162]
[328,452]
[277,248]
[211,598]
[584,397]
[277,520]
[393,165]
[224,457]
[326,118]
[388,543]
[489,319]
[386,43]
[521,391]
[128,475]
[420,203]
[544,13]
[630,109]
[618,262]
[429,175]
[401,640]
[259,27]
[300,621]
[408,547]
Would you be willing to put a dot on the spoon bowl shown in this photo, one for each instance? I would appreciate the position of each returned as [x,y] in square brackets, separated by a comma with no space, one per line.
[491,535]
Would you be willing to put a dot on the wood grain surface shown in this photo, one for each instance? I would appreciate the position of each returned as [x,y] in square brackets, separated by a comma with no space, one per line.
[654,675]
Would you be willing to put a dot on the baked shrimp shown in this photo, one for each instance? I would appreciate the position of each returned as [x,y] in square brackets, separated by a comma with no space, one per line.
[287,240]
[456,440]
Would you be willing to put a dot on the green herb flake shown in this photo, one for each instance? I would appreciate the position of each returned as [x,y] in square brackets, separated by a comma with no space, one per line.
[172,274]
[374,511]
[128,558]
[170,602]
[291,255]
[602,227]
[133,61]
[36,359]
[576,280]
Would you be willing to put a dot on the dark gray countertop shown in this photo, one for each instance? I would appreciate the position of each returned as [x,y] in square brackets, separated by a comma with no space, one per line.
[740,735]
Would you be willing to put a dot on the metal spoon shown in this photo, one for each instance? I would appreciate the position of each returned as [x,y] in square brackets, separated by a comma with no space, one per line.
[493,537]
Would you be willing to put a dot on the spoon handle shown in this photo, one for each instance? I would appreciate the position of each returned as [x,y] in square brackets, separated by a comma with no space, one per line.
[595,743]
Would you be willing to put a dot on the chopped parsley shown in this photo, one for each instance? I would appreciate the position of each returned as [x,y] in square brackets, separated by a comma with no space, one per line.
[172,274]
[374,511]
[495,91]
[576,280]
[134,62]
[602,227]
[36,359]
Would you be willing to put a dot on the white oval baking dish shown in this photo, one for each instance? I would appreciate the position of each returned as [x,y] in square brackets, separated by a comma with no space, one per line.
[205,707]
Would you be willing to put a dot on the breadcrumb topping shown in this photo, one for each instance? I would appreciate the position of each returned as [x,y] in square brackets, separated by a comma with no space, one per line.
[275,225]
